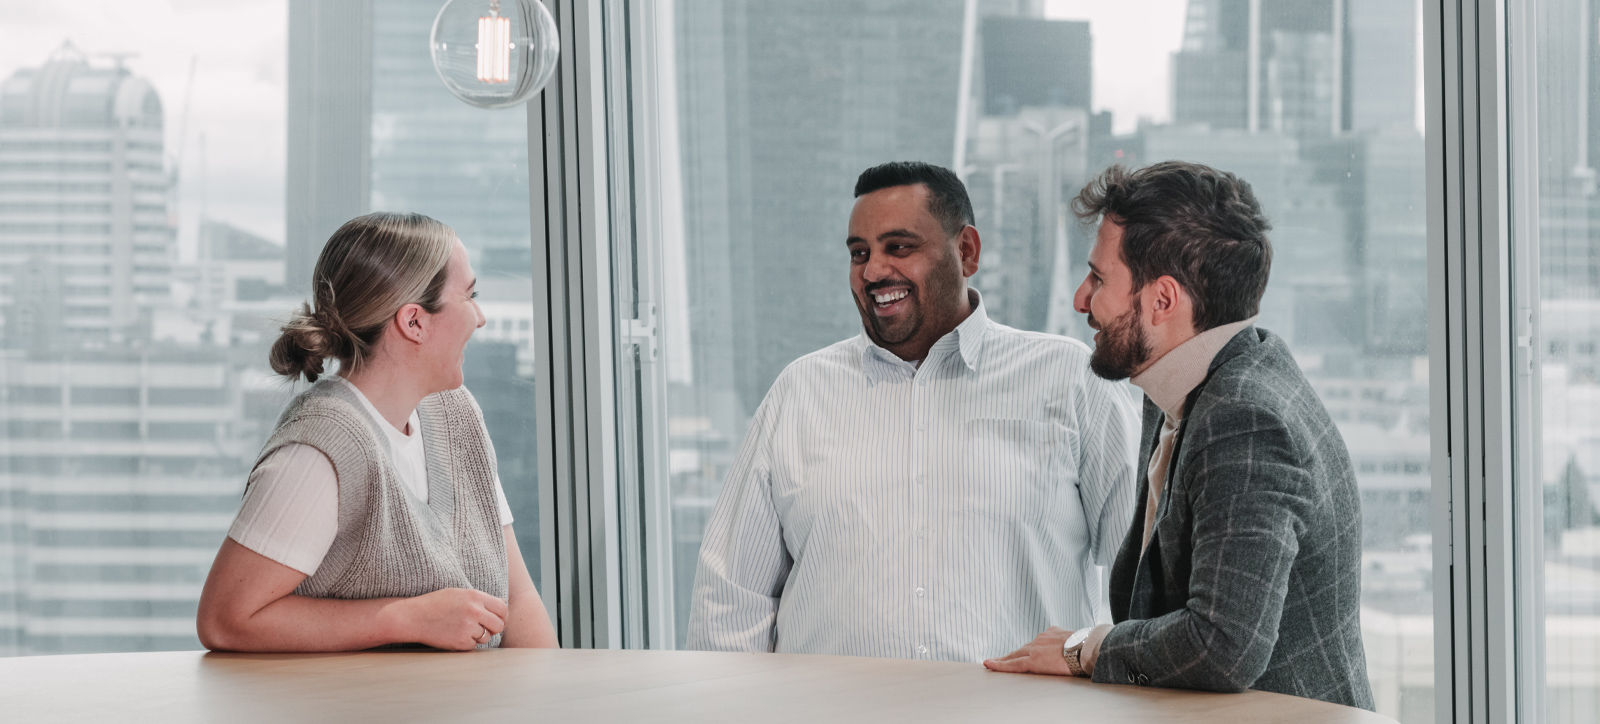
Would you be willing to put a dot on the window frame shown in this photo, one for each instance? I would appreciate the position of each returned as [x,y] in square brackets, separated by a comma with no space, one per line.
[594,134]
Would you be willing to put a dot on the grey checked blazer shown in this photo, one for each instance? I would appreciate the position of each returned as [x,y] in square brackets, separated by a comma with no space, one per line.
[1252,578]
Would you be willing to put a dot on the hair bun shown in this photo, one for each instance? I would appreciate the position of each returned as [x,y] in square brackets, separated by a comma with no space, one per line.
[304,342]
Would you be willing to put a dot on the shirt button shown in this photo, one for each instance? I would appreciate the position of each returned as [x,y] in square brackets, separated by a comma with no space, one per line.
[921,591]
[919,478]
[921,533]
[921,427]
[923,650]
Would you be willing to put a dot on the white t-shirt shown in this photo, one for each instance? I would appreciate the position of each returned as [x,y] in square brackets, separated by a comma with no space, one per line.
[291,512]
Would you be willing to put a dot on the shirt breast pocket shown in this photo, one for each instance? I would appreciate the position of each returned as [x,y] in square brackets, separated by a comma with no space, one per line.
[1015,469]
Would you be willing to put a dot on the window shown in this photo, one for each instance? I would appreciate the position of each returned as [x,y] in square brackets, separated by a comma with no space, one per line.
[780,105]
[1560,535]
[137,393]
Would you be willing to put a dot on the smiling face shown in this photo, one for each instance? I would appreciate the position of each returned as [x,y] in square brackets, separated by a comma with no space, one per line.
[1122,347]
[452,326]
[908,277]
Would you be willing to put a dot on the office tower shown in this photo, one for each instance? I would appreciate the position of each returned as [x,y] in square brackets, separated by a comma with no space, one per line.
[1298,84]
[83,215]
[1568,58]
[122,472]
[1032,62]
[783,105]
[433,154]
[1210,71]
[1011,8]
[239,296]
[1257,64]
[1380,65]
[121,461]
[371,128]
[1026,156]
[1024,169]
[330,122]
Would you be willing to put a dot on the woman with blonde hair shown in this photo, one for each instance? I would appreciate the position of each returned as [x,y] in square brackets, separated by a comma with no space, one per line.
[374,515]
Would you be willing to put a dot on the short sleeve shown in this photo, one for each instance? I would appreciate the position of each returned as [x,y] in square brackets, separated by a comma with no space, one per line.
[500,497]
[291,509]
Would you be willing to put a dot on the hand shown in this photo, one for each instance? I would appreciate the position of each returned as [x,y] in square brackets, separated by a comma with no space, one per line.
[1041,656]
[451,618]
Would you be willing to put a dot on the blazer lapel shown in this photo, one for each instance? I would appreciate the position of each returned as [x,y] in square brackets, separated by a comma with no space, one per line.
[1129,581]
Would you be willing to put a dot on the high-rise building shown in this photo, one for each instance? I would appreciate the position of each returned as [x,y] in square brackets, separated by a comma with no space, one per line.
[1023,169]
[1257,65]
[121,459]
[1034,62]
[783,105]
[1210,71]
[433,154]
[1568,57]
[121,473]
[1380,66]
[85,242]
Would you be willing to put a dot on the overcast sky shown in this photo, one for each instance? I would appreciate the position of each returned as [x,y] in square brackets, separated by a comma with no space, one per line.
[1133,45]
[238,97]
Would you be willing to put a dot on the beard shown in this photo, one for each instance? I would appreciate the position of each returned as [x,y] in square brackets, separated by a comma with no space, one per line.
[1123,347]
[943,283]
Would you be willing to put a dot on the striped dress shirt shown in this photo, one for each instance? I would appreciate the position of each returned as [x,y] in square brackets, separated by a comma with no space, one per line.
[946,511]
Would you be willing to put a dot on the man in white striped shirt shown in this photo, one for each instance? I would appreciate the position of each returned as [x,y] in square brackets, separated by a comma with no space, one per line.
[938,487]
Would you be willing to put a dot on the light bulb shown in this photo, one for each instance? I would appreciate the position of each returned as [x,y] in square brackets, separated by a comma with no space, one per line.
[494,53]
[494,46]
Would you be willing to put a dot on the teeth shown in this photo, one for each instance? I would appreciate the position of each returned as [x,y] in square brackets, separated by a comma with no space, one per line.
[893,296]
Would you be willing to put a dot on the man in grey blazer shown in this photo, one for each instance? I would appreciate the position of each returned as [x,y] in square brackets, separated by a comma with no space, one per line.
[1242,569]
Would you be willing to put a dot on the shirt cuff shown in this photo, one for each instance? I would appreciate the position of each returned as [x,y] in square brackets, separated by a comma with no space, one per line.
[1091,648]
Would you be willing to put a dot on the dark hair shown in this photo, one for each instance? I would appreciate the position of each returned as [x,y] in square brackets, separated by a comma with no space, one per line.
[1200,226]
[947,196]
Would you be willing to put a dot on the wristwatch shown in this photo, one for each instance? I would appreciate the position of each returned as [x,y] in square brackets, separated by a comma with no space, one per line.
[1072,649]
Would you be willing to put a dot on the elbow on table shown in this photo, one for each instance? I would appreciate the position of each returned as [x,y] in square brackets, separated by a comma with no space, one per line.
[1230,674]
[217,633]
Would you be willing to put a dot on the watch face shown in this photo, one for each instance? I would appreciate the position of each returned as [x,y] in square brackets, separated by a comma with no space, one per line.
[1077,637]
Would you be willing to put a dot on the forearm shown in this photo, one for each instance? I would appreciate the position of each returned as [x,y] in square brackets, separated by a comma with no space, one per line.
[298,623]
[1169,652]
[528,624]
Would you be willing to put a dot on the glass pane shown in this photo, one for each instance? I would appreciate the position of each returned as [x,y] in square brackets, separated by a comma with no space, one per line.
[468,167]
[781,105]
[1568,455]
[141,253]
[142,268]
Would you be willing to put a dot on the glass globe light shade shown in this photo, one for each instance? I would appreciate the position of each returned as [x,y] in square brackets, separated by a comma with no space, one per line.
[494,53]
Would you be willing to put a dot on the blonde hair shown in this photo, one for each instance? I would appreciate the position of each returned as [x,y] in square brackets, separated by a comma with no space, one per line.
[370,268]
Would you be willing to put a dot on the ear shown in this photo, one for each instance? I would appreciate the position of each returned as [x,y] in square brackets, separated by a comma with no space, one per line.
[1165,302]
[410,323]
[968,247]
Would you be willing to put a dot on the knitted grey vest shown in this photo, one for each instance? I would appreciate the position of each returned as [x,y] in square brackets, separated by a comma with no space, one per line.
[391,543]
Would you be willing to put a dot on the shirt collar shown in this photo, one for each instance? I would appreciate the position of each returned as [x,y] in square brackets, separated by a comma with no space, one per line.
[881,365]
[1169,380]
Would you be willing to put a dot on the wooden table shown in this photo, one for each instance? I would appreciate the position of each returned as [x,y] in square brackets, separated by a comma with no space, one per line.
[593,686]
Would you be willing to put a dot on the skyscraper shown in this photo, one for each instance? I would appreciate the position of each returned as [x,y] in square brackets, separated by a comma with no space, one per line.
[783,104]
[1257,64]
[433,154]
[121,461]
[1034,62]
[1381,64]
[83,193]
